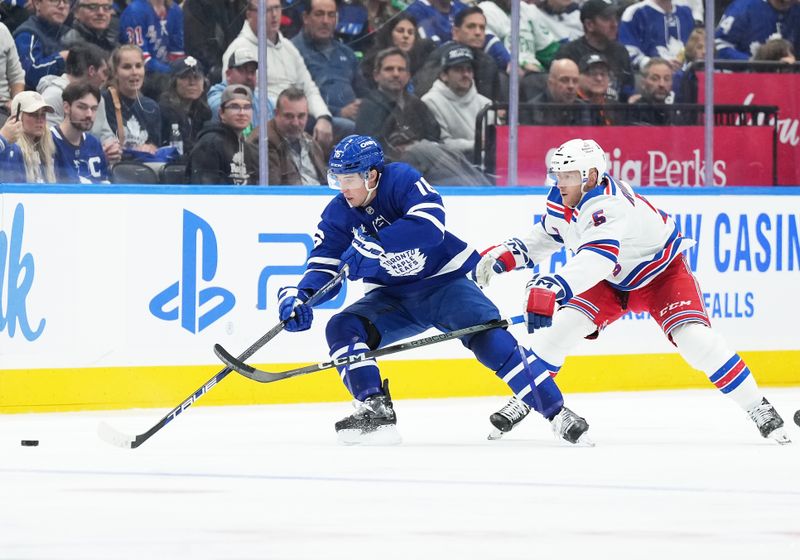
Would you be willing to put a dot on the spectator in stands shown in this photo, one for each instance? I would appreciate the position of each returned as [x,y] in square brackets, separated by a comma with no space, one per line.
[155,26]
[30,159]
[295,158]
[601,27]
[14,12]
[454,100]
[184,103]
[381,12]
[400,32]
[656,95]
[562,87]
[91,23]
[352,25]
[221,154]
[684,81]
[537,45]
[210,26]
[84,63]
[435,18]
[778,50]
[332,65]
[12,76]
[469,30]
[242,69]
[391,108]
[9,133]
[748,24]
[286,67]
[79,156]
[134,117]
[38,41]
[562,18]
[593,88]
[655,28]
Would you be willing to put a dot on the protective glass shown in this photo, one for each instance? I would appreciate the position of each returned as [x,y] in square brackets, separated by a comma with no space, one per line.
[347,181]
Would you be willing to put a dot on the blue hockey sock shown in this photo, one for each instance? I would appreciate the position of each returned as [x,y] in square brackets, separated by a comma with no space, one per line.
[347,336]
[529,377]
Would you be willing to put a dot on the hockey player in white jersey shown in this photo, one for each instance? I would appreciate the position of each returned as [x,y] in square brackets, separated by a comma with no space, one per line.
[627,257]
[387,225]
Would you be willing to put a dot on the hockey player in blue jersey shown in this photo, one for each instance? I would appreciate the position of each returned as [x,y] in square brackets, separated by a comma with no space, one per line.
[79,156]
[387,225]
[627,257]
[748,24]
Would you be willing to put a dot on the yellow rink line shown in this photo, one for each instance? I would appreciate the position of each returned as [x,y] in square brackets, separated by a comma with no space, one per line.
[51,390]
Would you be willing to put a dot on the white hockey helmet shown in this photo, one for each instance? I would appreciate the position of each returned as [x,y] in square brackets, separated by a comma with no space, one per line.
[579,155]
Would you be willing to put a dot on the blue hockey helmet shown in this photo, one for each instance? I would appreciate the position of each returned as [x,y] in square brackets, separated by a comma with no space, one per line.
[356,154]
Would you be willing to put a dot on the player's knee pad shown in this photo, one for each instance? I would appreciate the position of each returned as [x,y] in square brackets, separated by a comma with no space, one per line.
[492,347]
[555,343]
[348,335]
[701,347]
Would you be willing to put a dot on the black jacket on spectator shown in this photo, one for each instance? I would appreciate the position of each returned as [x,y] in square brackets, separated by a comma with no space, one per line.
[189,122]
[489,81]
[79,34]
[381,117]
[222,157]
[577,114]
[619,62]
[209,27]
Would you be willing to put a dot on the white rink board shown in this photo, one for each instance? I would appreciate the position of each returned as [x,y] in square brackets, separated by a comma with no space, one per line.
[90,266]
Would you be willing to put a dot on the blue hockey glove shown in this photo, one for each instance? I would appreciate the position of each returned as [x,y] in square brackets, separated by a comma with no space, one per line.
[363,257]
[541,295]
[292,307]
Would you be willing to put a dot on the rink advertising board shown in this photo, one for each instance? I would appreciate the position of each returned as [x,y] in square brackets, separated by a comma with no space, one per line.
[114,296]
[652,156]
[765,89]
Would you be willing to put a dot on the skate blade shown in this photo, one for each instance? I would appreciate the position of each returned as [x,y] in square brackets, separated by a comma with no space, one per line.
[385,435]
[583,441]
[780,436]
[495,435]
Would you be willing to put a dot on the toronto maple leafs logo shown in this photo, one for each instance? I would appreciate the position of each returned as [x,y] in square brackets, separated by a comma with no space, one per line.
[135,134]
[407,263]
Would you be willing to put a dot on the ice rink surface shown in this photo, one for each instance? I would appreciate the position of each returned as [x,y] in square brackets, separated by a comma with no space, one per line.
[674,475]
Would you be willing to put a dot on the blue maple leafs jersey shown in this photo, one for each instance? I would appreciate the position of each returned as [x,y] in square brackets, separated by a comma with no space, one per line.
[408,218]
[748,24]
[79,164]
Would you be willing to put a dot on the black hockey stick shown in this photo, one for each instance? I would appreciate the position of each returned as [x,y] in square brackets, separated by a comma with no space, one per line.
[115,437]
[238,365]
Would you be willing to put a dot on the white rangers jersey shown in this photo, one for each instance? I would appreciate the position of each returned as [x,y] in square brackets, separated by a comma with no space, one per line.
[614,234]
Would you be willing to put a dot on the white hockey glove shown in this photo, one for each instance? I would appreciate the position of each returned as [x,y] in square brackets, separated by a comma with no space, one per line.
[541,295]
[497,259]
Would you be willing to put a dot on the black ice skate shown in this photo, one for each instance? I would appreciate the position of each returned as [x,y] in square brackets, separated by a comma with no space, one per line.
[507,417]
[373,422]
[570,427]
[769,422]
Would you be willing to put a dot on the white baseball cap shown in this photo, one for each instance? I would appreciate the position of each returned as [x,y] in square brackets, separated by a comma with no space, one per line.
[29,102]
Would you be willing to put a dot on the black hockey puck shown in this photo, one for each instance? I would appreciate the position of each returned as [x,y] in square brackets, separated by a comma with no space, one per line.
[797,417]
[29,442]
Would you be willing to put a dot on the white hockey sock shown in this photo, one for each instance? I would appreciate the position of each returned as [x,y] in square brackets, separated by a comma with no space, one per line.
[706,350]
[569,327]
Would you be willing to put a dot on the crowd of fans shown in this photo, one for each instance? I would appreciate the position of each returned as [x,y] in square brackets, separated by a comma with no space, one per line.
[85,84]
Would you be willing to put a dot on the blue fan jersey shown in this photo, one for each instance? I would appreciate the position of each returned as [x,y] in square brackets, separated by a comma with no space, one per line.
[647,31]
[85,163]
[748,24]
[408,219]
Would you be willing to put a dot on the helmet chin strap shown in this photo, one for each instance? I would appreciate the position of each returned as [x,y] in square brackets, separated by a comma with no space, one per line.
[372,192]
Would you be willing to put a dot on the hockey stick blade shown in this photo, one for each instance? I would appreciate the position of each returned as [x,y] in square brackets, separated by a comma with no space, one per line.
[262,376]
[114,437]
